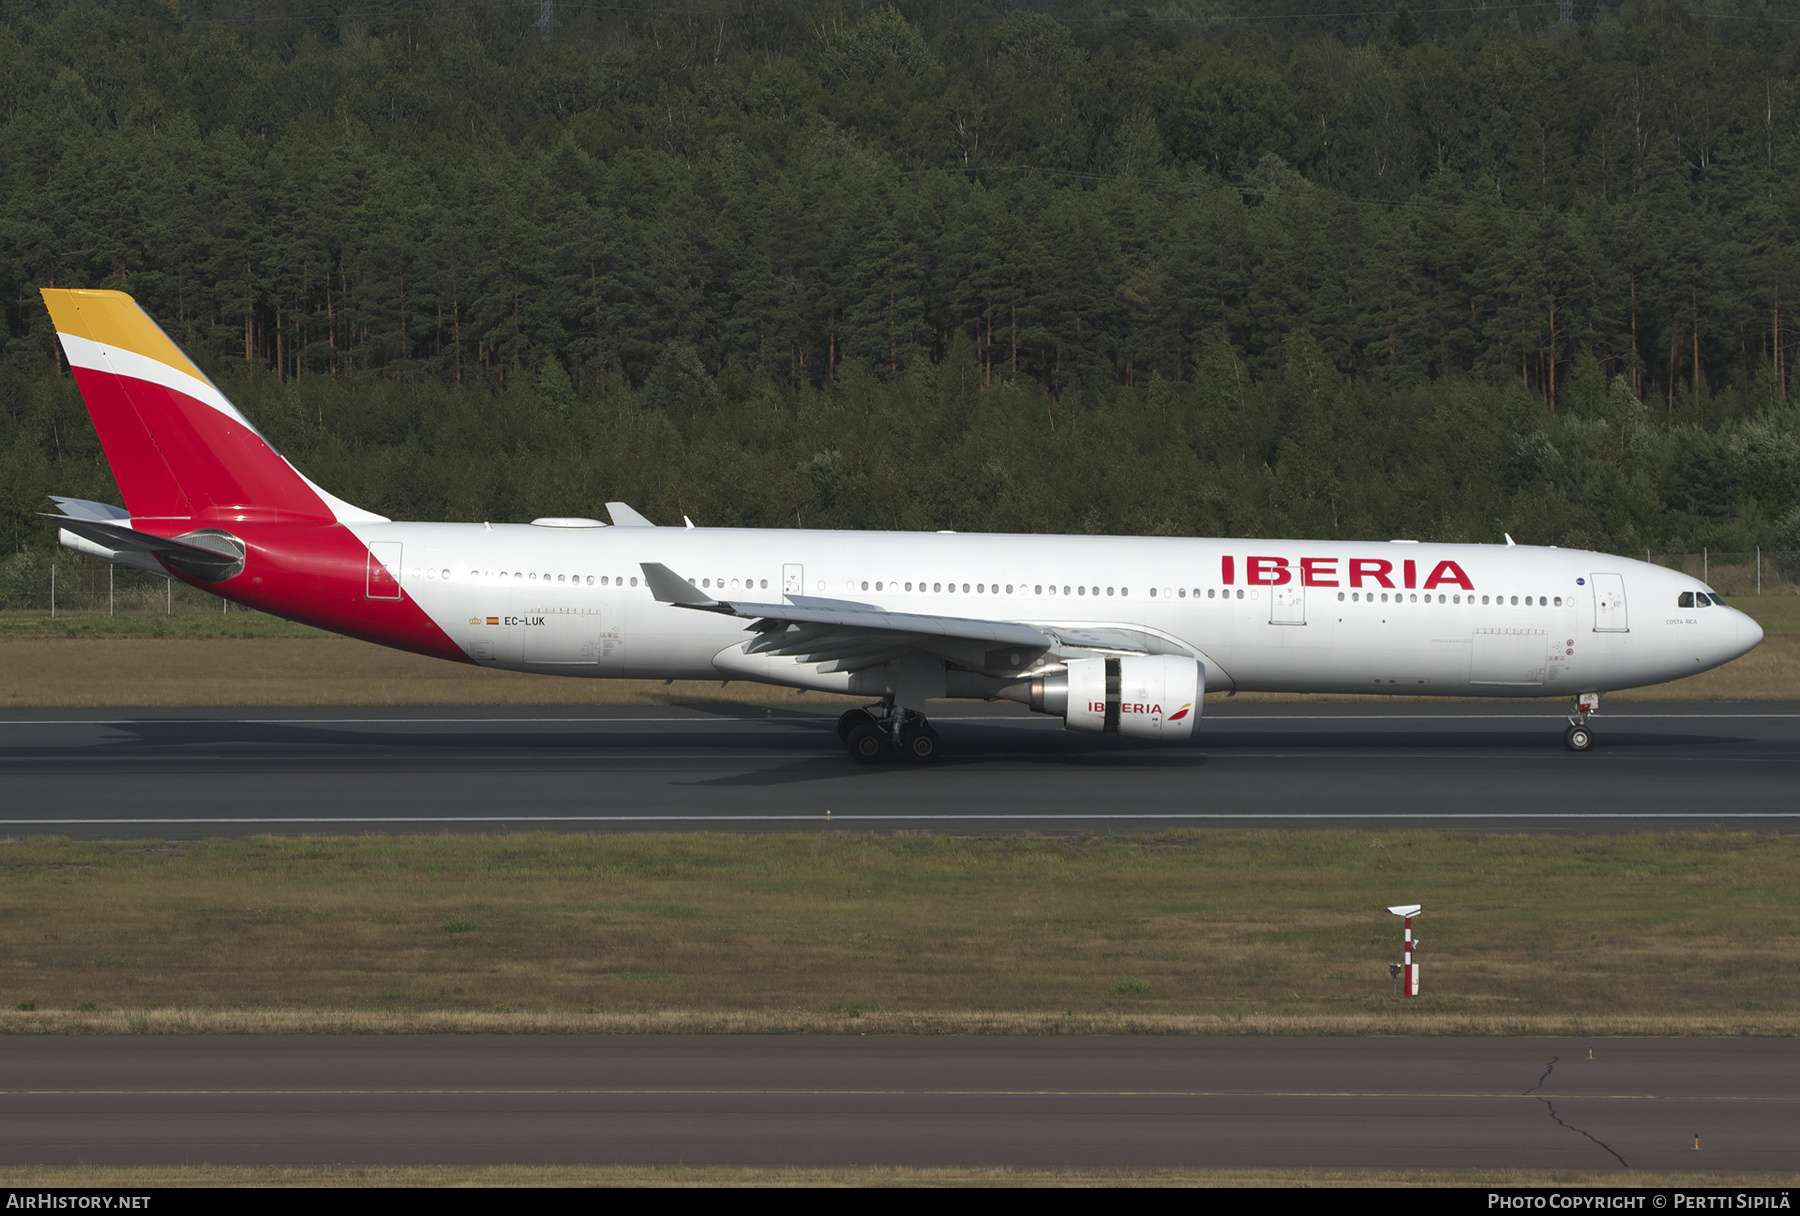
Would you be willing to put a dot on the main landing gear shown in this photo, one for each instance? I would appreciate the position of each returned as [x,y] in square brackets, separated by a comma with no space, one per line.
[1578,738]
[870,734]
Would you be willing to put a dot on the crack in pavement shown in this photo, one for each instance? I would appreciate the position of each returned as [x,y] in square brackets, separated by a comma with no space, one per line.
[1559,1120]
[1551,1107]
[1548,1069]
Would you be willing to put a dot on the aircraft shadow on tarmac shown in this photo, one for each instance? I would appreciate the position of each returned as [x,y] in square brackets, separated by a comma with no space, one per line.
[965,743]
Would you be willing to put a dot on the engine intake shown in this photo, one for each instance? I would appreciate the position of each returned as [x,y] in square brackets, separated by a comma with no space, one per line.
[1139,696]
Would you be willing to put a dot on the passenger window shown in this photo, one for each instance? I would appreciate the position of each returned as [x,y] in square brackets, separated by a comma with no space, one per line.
[935,586]
[1559,601]
[1240,595]
[1210,592]
[1081,591]
[965,588]
[1340,597]
[1037,589]
[1109,591]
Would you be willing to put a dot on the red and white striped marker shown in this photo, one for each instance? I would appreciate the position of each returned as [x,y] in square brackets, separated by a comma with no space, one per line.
[1409,971]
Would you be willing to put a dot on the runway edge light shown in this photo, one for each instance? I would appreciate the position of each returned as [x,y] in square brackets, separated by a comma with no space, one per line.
[1408,970]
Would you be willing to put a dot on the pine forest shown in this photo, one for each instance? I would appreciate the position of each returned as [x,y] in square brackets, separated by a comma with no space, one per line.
[1325,268]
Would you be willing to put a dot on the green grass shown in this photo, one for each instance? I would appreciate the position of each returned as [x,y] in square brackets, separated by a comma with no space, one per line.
[185,623]
[689,932]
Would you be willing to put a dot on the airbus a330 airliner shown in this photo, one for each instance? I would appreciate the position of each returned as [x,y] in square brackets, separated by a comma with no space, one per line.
[1107,633]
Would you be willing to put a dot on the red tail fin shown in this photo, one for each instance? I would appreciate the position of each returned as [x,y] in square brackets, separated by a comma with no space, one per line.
[177,447]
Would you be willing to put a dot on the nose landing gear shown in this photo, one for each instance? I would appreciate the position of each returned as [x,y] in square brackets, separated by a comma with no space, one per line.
[1578,738]
[871,734]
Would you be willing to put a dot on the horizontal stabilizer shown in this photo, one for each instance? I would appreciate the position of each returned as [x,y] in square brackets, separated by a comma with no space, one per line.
[81,508]
[210,556]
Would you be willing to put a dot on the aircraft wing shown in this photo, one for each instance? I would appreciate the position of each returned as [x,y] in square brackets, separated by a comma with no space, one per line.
[844,635]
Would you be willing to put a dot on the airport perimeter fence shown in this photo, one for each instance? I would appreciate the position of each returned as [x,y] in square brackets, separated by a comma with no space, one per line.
[76,585]
[72,585]
[1753,572]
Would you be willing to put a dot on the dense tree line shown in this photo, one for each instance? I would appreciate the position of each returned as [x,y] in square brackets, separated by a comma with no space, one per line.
[917,266]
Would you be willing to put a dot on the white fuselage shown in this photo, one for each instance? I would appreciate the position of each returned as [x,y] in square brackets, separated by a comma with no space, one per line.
[1261,615]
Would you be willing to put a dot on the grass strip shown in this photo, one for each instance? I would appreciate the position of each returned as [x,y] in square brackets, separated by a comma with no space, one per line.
[1202,931]
[172,1176]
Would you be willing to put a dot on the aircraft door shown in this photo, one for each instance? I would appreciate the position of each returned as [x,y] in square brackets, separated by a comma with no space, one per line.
[384,570]
[1609,603]
[793,580]
[569,636]
[1287,605]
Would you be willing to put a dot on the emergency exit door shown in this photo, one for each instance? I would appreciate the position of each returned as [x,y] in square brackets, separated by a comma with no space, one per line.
[1287,605]
[1609,603]
[793,580]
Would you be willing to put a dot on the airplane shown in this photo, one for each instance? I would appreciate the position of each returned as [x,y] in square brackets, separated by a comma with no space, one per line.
[1121,635]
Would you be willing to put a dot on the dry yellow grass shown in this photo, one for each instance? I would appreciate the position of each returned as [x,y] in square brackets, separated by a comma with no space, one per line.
[1186,932]
[170,1176]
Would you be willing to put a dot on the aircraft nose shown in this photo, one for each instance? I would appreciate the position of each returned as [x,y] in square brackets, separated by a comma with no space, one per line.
[1749,633]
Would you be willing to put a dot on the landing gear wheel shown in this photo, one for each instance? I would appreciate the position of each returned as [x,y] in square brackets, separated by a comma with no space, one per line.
[1578,738]
[920,743]
[868,743]
[852,719]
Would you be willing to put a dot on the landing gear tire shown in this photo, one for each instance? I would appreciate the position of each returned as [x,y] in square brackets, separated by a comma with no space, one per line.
[1578,738]
[850,721]
[920,744]
[867,742]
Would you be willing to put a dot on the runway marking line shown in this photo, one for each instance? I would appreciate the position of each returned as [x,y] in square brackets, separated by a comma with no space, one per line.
[824,720]
[911,818]
[858,1093]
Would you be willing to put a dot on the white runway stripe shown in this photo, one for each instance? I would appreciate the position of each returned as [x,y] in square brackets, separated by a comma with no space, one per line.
[905,817]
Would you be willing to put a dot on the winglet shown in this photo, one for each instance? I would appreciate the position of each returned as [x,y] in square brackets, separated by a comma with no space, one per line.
[624,517]
[670,588]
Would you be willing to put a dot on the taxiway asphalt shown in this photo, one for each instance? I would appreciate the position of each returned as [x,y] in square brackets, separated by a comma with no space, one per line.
[1387,1103]
[1501,766]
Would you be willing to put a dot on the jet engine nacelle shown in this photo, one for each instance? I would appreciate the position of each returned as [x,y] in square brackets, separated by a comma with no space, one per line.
[1141,696]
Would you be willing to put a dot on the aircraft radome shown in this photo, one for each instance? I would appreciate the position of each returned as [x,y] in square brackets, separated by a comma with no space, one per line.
[1108,633]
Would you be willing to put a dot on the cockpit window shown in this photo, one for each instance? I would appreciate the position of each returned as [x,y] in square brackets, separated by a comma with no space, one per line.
[1686,600]
[1714,596]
